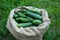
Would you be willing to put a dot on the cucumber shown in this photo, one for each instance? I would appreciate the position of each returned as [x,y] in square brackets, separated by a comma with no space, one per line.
[24,24]
[15,16]
[34,11]
[24,19]
[24,13]
[33,15]
[21,15]
[36,22]
[29,18]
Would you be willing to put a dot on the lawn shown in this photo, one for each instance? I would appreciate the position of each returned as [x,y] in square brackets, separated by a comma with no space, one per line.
[52,6]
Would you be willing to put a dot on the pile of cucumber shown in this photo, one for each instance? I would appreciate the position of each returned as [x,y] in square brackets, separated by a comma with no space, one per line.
[27,18]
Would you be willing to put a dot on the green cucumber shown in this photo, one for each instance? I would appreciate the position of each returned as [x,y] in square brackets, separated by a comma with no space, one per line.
[34,11]
[33,15]
[15,16]
[29,18]
[24,24]
[24,19]
[37,22]
[24,13]
[21,14]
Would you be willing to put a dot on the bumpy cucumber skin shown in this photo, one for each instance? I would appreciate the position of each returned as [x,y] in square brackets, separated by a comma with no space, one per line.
[33,15]
[24,19]
[24,25]
[37,22]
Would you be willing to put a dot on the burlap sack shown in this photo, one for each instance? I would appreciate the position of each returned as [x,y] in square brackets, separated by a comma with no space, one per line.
[28,33]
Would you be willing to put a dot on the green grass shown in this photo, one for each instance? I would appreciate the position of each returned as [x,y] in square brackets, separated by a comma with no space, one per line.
[52,6]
